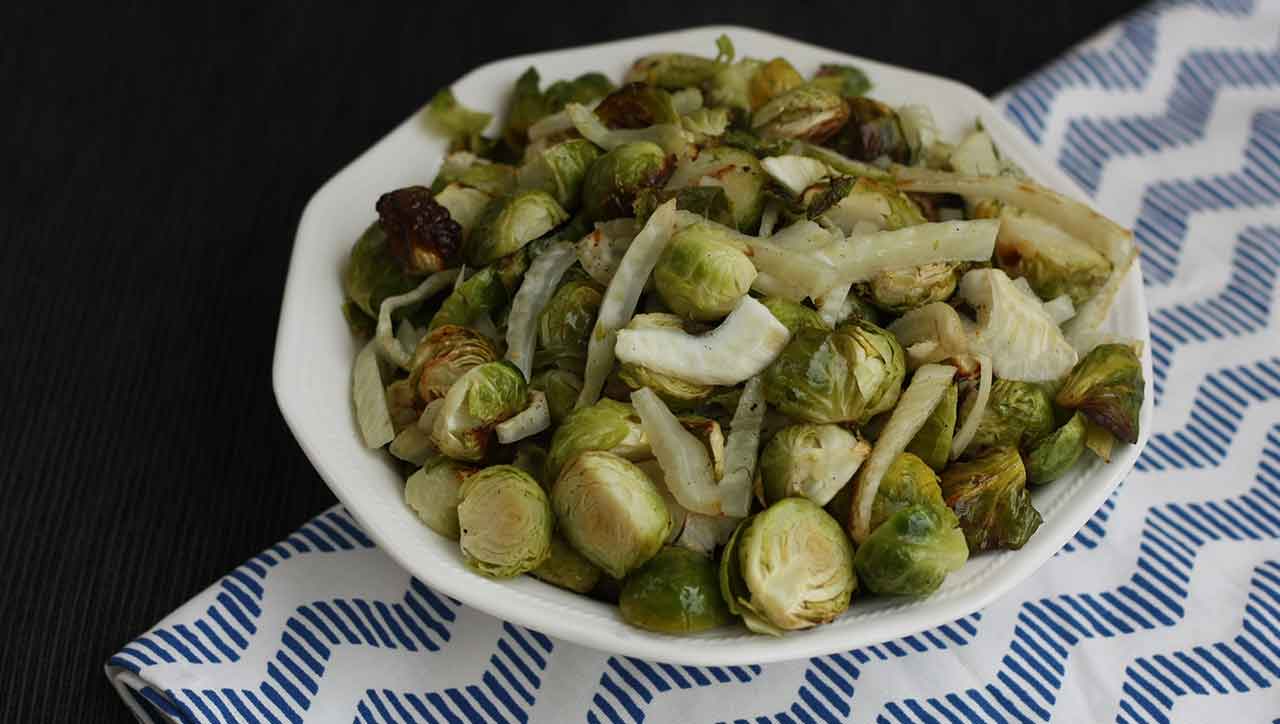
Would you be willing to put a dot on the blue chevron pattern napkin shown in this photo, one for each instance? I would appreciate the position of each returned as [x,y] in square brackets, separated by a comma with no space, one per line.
[1165,606]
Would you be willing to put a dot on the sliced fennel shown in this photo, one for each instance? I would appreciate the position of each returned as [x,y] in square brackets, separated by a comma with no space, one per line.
[795,173]
[704,533]
[373,416]
[464,204]
[535,291]
[928,385]
[742,449]
[1014,329]
[620,298]
[930,334]
[388,345]
[969,427]
[686,464]
[601,251]
[412,445]
[532,420]
[861,257]
[746,342]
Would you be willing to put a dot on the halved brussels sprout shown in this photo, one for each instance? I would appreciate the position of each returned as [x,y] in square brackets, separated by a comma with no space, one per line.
[614,179]
[911,553]
[510,222]
[564,328]
[1018,415]
[788,567]
[873,131]
[700,275]
[373,273]
[844,80]
[900,290]
[771,80]
[908,481]
[680,70]
[505,522]
[847,375]
[807,113]
[736,171]
[676,592]
[484,396]
[673,390]
[810,461]
[610,511]
[1050,259]
[478,296]
[989,495]
[560,170]
[795,316]
[637,105]
[420,232]
[561,388]
[932,443]
[1107,386]
[607,425]
[529,104]
[567,568]
[444,355]
[432,493]
[1053,456]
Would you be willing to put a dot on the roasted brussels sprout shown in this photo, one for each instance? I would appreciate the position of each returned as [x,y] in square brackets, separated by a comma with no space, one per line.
[872,132]
[807,113]
[1052,261]
[461,124]
[484,396]
[989,495]
[1018,415]
[561,388]
[772,80]
[847,375]
[677,591]
[444,355]
[432,493]
[907,482]
[844,80]
[403,404]
[900,290]
[709,202]
[478,296]
[637,105]
[510,222]
[867,202]
[567,568]
[610,511]
[911,553]
[794,315]
[607,425]
[505,521]
[531,458]
[680,70]
[736,171]
[613,180]
[1054,455]
[810,461]
[730,87]
[373,272]
[420,232]
[530,104]
[932,443]
[564,328]
[1107,386]
[788,567]
[559,170]
[673,390]
[700,275]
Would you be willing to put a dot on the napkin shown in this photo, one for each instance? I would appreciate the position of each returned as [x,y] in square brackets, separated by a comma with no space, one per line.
[1164,607]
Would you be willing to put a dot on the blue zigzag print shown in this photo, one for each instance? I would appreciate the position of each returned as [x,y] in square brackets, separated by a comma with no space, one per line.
[628,683]
[1153,682]
[1124,65]
[1215,417]
[1094,529]
[1031,673]
[1166,205]
[1089,144]
[1243,307]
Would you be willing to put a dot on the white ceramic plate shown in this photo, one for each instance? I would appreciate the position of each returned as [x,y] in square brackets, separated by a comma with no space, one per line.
[314,352]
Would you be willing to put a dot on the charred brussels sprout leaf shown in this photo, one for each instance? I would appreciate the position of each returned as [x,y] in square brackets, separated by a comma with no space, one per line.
[847,375]
[567,568]
[610,511]
[676,592]
[806,113]
[564,328]
[1053,456]
[510,222]
[614,179]
[989,495]
[1107,386]
[873,131]
[420,232]
[911,553]
[505,521]
[907,482]
[844,80]
[637,105]
[461,124]
[1018,415]
[373,273]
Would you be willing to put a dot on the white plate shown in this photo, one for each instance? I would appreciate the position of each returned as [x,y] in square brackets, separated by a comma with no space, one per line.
[314,352]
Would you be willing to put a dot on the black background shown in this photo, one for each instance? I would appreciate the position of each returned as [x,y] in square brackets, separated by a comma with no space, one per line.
[153,168]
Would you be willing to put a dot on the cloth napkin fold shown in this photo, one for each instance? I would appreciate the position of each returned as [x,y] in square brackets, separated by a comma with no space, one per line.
[1164,607]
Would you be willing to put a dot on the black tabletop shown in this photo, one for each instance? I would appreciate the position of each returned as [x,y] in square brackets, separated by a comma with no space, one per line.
[154,168]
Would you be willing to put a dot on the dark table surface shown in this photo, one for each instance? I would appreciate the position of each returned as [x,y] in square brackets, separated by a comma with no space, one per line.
[154,168]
